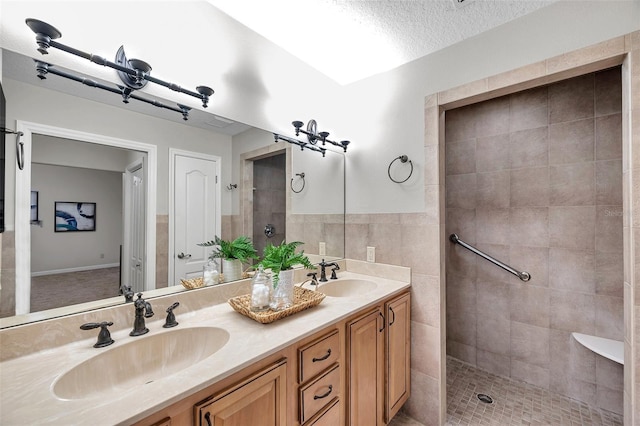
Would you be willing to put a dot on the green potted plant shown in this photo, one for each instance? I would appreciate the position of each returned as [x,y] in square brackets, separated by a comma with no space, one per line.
[281,259]
[233,254]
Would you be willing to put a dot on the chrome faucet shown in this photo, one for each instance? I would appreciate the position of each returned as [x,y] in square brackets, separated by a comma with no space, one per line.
[323,272]
[143,310]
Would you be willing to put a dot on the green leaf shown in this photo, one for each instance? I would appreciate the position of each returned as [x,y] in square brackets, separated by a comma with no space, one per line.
[283,257]
[241,248]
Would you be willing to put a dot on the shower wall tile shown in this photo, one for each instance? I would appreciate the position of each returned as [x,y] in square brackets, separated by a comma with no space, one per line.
[530,373]
[530,344]
[569,358]
[492,300]
[461,191]
[609,373]
[530,187]
[529,109]
[534,260]
[529,227]
[609,182]
[572,227]
[461,157]
[571,99]
[609,137]
[608,92]
[492,153]
[572,184]
[425,302]
[493,334]
[529,304]
[609,274]
[461,261]
[609,229]
[574,388]
[462,329]
[460,124]
[609,317]
[529,148]
[462,294]
[571,311]
[572,270]
[463,223]
[571,142]
[492,117]
[609,399]
[493,362]
[466,353]
[493,189]
[492,226]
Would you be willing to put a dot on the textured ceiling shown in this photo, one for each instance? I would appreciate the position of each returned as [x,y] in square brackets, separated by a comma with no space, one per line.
[349,40]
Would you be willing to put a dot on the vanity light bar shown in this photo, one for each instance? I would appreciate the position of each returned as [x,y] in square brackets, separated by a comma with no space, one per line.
[301,144]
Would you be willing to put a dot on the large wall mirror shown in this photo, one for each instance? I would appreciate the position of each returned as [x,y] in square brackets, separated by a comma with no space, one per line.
[85,148]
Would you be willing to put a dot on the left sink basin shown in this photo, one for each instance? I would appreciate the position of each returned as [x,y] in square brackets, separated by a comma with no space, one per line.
[140,362]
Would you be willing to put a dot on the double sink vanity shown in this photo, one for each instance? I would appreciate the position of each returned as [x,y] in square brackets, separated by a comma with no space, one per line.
[345,361]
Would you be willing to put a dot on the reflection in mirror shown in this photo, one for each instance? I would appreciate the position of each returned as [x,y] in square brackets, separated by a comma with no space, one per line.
[315,215]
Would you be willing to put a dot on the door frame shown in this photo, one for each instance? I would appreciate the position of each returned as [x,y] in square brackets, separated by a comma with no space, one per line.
[23,202]
[173,153]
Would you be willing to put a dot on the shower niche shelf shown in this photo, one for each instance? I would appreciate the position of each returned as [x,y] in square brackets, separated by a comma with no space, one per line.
[608,348]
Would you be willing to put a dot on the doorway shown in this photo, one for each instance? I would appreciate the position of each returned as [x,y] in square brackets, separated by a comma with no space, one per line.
[23,203]
[269,201]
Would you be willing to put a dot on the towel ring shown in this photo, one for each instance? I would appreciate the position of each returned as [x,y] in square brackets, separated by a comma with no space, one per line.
[403,159]
[303,183]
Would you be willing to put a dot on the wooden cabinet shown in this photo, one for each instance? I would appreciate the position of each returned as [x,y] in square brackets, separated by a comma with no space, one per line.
[378,362]
[354,372]
[398,354]
[260,400]
[365,361]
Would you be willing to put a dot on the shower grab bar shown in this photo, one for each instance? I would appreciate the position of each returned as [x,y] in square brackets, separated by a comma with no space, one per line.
[524,276]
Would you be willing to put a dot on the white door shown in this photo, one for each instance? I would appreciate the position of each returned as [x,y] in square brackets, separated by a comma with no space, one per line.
[133,247]
[197,213]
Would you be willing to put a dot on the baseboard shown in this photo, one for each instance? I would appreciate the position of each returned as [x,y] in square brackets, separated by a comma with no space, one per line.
[78,269]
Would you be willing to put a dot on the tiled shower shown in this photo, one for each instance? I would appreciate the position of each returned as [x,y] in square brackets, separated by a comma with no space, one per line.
[269,200]
[535,180]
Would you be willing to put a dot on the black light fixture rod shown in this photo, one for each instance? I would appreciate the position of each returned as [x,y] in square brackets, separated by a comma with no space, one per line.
[91,57]
[50,69]
[302,145]
[172,86]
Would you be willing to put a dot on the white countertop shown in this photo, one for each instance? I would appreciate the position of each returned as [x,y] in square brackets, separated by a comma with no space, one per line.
[26,382]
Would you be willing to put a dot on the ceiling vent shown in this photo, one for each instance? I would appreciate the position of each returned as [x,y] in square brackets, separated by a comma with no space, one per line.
[219,122]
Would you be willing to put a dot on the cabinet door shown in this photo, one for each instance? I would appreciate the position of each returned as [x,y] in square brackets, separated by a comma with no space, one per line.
[398,348]
[365,349]
[260,400]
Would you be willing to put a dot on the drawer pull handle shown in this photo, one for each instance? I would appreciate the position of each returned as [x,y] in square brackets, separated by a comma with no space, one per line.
[207,417]
[393,317]
[324,395]
[323,357]
[381,316]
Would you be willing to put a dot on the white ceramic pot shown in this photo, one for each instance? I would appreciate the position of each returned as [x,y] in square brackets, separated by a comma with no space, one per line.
[282,296]
[231,269]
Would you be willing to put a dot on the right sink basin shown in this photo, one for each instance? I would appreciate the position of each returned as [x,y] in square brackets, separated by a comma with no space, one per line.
[346,287]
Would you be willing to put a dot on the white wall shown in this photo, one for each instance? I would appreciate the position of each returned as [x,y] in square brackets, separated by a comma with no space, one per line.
[52,250]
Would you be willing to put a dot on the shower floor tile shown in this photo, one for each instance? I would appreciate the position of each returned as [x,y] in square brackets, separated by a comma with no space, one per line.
[514,403]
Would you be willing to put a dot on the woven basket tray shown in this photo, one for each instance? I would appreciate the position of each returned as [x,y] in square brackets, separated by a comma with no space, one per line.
[302,299]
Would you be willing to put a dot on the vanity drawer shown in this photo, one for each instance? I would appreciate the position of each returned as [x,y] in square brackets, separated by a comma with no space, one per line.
[330,416]
[318,355]
[318,393]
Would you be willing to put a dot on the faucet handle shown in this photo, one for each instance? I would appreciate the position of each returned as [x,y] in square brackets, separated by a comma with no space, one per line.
[333,271]
[171,318]
[314,278]
[104,337]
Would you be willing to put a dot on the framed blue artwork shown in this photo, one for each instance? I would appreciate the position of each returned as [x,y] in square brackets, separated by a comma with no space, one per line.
[75,216]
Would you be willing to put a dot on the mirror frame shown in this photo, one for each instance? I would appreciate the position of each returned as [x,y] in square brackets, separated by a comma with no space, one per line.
[22,207]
